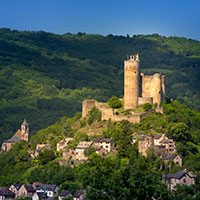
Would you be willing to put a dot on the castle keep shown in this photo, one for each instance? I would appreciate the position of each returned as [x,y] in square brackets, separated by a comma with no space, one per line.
[138,90]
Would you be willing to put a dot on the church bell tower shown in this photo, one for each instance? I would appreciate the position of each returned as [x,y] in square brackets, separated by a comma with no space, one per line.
[25,130]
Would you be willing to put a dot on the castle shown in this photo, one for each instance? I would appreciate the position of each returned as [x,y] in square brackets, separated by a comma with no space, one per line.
[138,90]
[22,134]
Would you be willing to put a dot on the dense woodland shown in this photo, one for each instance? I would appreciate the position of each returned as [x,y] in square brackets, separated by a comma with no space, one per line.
[124,174]
[45,76]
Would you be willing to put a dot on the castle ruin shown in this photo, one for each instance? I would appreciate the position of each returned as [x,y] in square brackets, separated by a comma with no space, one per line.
[138,90]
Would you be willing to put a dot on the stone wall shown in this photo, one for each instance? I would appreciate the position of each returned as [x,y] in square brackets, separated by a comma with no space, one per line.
[153,86]
[87,105]
[143,100]
[131,118]
[109,113]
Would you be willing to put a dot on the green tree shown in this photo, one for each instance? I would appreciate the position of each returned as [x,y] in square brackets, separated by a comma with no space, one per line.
[125,138]
[88,151]
[147,106]
[95,114]
[179,132]
[114,102]
[45,156]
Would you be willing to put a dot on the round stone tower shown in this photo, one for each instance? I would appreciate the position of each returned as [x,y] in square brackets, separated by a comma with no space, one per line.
[131,82]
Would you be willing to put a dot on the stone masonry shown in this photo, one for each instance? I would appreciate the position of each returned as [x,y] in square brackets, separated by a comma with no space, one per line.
[138,90]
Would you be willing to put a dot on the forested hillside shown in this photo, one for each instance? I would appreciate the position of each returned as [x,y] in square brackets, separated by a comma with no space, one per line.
[123,174]
[44,76]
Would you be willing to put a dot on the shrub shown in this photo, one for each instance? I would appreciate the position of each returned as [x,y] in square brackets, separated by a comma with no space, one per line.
[89,151]
[95,114]
[114,102]
[147,106]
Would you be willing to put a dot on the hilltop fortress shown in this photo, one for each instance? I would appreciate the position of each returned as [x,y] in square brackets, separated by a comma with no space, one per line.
[138,90]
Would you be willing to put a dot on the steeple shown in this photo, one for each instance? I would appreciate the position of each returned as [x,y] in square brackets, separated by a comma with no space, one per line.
[25,130]
[25,123]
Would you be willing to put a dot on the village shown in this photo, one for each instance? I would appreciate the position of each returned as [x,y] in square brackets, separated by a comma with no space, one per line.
[157,144]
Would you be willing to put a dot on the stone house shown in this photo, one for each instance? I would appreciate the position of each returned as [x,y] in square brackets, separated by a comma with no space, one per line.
[81,148]
[169,145]
[145,143]
[22,134]
[50,190]
[136,138]
[64,194]
[36,185]
[26,191]
[160,143]
[158,138]
[79,195]
[63,143]
[179,178]
[106,143]
[5,193]
[173,157]
[41,147]
[69,154]
[100,150]
[39,196]
[15,187]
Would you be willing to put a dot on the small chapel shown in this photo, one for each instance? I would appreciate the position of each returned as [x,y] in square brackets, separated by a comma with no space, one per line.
[22,134]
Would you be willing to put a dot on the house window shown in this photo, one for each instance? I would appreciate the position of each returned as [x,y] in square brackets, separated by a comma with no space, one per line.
[184,180]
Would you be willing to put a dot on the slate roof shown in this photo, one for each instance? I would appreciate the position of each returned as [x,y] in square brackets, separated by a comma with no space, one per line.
[46,187]
[177,175]
[79,193]
[165,141]
[83,145]
[45,146]
[157,136]
[18,185]
[42,195]
[29,188]
[102,139]
[65,193]
[6,193]
[63,141]
[14,139]
[25,123]
[169,156]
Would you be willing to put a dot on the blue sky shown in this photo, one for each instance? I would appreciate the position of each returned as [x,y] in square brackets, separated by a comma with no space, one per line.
[118,17]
